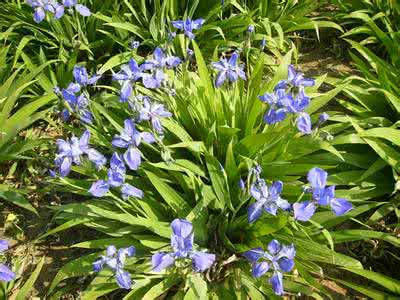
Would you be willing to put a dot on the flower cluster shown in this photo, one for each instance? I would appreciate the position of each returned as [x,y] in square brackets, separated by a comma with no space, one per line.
[321,195]
[115,260]
[151,72]
[71,151]
[278,257]
[57,9]
[182,246]
[76,96]
[268,198]
[6,274]
[188,25]
[289,98]
[228,70]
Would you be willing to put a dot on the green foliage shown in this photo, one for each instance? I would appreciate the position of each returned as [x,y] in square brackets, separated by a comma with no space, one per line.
[212,141]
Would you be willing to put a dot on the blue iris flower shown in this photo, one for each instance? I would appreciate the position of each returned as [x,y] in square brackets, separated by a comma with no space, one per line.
[263,43]
[295,79]
[182,245]
[128,75]
[82,77]
[267,198]
[160,61]
[70,152]
[78,103]
[228,70]
[278,257]
[188,25]
[116,178]
[322,195]
[115,260]
[80,8]
[154,112]
[251,29]
[289,98]
[6,274]
[277,106]
[42,6]
[131,138]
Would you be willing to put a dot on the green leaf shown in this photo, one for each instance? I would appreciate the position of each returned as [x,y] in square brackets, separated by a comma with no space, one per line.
[28,286]
[389,283]
[161,288]
[17,199]
[367,290]
[197,288]
[75,268]
[173,199]
[218,181]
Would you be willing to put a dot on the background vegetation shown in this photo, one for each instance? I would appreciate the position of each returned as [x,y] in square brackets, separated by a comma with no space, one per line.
[214,138]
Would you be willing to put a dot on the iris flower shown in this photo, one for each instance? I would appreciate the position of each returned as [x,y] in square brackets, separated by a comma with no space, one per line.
[128,75]
[131,138]
[182,246]
[115,260]
[279,257]
[81,9]
[321,195]
[188,25]
[228,70]
[295,79]
[267,198]
[6,274]
[156,65]
[78,103]
[42,6]
[82,78]
[70,152]
[154,112]
[116,178]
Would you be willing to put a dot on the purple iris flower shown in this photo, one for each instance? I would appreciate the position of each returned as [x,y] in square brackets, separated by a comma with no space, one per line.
[156,66]
[131,138]
[263,43]
[228,70]
[322,195]
[322,118]
[154,112]
[188,25]
[78,103]
[70,152]
[304,123]
[81,9]
[296,104]
[278,257]
[82,78]
[161,61]
[267,198]
[115,259]
[42,6]
[6,274]
[128,75]
[251,29]
[182,246]
[295,79]
[116,178]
